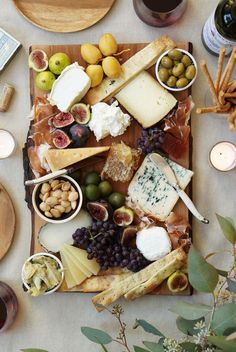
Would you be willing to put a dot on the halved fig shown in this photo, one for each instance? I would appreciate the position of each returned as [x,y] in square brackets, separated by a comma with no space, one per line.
[60,139]
[98,211]
[38,60]
[177,282]
[62,119]
[81,113]
[128,238]
[123,216]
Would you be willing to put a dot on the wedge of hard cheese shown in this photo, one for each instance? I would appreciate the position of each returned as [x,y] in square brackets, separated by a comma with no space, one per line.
[140,61]
[146,100]
[150,192]
[59,158]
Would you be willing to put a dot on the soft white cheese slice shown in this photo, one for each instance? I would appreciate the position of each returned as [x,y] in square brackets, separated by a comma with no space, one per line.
[70,87]
[153,242]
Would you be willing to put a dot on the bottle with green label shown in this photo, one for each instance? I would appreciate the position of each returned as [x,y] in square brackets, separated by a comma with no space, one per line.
[220,28]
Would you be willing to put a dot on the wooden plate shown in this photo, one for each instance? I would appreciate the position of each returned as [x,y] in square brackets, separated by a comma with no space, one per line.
[7,222]
[63,16]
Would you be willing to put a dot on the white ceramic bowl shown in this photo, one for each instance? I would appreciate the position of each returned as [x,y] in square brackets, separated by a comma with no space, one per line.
[170,88]
[65,217]
[59,265]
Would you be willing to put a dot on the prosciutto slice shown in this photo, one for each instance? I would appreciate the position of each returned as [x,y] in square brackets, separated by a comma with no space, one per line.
[177,129]
[178,230]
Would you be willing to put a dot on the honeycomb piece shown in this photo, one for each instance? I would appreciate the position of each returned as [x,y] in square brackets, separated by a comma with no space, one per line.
[121,163]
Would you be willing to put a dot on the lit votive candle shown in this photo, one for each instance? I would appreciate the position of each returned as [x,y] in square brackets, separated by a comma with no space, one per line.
[7,144]
[223,156]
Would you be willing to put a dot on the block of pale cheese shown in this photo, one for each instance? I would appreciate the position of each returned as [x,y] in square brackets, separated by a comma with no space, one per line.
[146,100]
[59,158]
[70,87]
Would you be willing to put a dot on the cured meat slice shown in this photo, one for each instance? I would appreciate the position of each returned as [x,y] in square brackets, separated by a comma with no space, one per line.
[35,162]
[42,109]
[178,228]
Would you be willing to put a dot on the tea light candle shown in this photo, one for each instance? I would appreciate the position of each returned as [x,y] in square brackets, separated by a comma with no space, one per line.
[7,144]
[223,156]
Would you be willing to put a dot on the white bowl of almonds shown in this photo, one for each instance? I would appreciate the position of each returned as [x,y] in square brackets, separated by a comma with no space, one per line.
[58,200]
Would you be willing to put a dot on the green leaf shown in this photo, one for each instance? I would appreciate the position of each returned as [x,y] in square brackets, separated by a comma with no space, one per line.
[224,318]
[220,341]
[231,285]
[147,327]
[191,311]
[33,350]
[190,347]
[97,336]
[153,346]
[140,349]
[228,228]
[202,275]
[187,326]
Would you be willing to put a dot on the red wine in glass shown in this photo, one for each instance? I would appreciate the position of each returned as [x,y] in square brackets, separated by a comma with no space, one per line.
[8,306]
[159,13]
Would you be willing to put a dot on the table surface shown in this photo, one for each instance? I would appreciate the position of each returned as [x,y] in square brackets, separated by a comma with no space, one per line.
[53,322]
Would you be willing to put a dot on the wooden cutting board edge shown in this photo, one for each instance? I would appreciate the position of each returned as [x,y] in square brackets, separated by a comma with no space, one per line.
[5,246]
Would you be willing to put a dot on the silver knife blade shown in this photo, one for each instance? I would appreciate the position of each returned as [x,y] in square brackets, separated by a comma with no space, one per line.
[165,168]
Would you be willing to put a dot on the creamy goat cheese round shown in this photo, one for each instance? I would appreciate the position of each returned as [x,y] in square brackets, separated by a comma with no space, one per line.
[153,242]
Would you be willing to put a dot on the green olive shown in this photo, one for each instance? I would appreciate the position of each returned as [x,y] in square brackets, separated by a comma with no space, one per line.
[170,71]
[166,62]
[190,72]
[163,74]
[181,83]
[178,69]
[186,60]
[171,81]
[175,54]
[176,62]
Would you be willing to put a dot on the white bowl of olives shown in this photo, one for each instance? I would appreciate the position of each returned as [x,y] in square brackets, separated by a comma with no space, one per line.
[176,69]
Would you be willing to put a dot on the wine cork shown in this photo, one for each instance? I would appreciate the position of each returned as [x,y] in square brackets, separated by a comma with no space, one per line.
[6,96]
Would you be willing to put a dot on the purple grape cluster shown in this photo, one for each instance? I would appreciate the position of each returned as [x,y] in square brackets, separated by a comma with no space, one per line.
[151,139]
[102,242]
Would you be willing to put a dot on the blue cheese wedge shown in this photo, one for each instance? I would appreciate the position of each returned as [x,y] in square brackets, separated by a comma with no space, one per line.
[146,100]
[70,87]
[150,191]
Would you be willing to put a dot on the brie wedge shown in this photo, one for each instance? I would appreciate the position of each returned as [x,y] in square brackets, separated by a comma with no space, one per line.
[70,87]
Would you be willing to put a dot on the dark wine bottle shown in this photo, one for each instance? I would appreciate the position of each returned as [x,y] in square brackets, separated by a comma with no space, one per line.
[220,28]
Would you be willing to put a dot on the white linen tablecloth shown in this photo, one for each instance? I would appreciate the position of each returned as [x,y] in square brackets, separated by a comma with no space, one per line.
[53,322]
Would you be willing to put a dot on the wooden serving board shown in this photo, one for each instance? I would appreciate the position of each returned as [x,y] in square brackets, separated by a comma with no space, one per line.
[63,16]
[130,137]
[7,222]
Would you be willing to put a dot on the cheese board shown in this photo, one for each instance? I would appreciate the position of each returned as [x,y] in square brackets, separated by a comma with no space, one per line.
[7,221]
[72,16]
[129,137]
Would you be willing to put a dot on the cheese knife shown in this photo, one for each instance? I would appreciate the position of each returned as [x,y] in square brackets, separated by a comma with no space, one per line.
[163,165]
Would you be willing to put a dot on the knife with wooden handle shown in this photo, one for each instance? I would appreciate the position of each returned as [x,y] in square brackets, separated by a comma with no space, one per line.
[162,164]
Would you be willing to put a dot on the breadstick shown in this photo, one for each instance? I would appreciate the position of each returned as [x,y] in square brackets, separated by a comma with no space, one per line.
[209,81]
[231,121]
[206,109]
[228,71]
[232,100]
[231,86]
[230,95]
[219,69]
[221,97]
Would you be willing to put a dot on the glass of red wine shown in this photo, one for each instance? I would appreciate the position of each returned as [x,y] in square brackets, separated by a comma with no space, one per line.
[159,13]
[8,306]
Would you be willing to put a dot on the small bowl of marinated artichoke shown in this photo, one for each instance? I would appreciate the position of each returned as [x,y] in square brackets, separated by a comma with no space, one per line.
[42,274]
[176,70]
[58,200]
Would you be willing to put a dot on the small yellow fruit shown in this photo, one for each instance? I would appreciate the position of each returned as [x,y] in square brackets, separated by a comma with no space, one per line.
[108,44]
[95,72]
[111,67]
[90,53]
